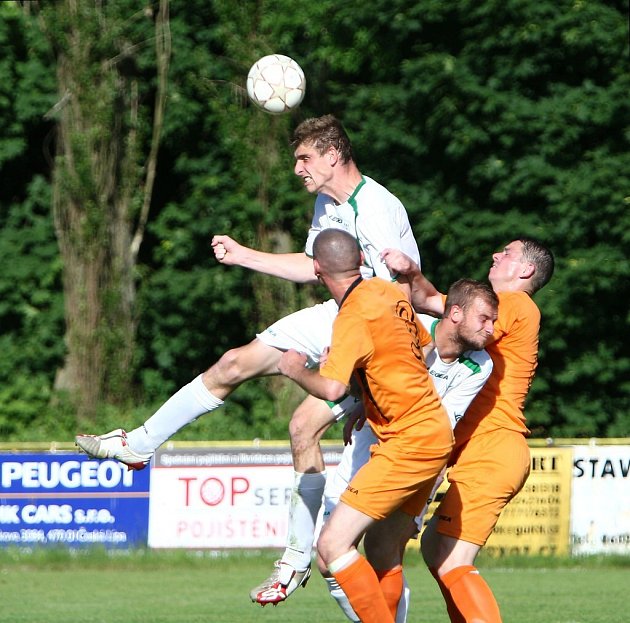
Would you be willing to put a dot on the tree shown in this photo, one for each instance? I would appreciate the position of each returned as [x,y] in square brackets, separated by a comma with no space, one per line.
[104,171]
[488,119]
[31,304]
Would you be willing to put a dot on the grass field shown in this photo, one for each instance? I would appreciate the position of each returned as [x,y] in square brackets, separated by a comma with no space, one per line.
[184,587]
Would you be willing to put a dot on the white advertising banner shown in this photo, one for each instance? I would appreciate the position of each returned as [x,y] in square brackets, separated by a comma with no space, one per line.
[222,498]
[600,500]
[228,498]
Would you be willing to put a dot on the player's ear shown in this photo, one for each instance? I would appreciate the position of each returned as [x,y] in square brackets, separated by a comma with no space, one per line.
[333,156]
[456,314]
[528,270]
[316,268]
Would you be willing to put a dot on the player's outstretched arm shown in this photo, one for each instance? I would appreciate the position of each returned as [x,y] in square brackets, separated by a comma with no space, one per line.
[297,267]
[292,365]
[424,296]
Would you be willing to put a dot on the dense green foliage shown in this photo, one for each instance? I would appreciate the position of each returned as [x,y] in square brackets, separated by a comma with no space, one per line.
[195,587]
[489,119]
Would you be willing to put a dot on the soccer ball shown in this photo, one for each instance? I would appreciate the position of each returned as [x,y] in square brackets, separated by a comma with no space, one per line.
[276,84]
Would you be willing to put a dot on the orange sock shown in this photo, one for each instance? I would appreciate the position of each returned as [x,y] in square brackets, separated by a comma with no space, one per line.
[472,595]
[454,614]
[360,584]
[391,581]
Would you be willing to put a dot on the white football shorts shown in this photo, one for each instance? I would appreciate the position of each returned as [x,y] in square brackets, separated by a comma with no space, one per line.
[308,331]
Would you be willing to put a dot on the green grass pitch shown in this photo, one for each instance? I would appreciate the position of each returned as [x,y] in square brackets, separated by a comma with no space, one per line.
[144,586]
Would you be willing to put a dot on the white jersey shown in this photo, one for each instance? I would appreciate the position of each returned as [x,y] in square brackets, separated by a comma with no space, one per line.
[375,217]
[378,220]
[458,382]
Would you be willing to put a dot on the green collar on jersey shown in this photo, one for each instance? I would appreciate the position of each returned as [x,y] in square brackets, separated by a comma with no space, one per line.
[352,200]
[432,329]
[467,361]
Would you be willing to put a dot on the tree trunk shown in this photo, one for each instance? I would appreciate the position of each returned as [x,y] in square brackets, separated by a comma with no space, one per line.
[101,194]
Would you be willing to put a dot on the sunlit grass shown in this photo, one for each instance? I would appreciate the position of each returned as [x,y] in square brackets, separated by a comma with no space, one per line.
[147,586]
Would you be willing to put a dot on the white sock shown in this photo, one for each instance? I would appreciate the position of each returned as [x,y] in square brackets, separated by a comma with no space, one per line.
[180,409]
[306,499]
[336,592]
[403,604]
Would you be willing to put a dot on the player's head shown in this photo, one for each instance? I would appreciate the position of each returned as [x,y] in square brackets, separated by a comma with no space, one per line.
[541,257]
[523,264]
[336,254]
[470,311]
[322,133]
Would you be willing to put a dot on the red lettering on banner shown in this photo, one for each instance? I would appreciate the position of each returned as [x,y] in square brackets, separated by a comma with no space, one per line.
[187,482]
[230,528]
[212,491]
[236,490]
[182,526]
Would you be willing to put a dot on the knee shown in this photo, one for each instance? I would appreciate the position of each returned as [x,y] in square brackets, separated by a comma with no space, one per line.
[226,371]
[323,553]
[382,552]
[321,565]
[374,551]
[301,429]
[428,547]
[443,553]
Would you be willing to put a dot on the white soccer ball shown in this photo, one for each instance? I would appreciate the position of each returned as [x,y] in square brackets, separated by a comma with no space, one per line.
[276,84]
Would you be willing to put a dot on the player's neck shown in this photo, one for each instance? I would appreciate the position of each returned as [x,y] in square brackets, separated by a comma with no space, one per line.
[339,288]
[345,183]
[511,286]
[448,349]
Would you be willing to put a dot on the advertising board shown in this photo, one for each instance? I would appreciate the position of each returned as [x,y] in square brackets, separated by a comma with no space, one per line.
[66,498]
[222,498]
[536,521]
[600,517]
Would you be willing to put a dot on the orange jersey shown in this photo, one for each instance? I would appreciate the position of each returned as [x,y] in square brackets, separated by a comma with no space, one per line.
[377,338]
[514,353]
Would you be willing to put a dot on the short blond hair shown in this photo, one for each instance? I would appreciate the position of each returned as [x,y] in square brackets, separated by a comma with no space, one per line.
[323,133]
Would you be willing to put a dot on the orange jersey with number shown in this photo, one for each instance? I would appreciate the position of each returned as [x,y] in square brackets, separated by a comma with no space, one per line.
[514,353]
[377,338]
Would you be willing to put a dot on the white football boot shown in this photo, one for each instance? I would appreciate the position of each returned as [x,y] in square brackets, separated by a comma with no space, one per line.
[112,446]
[280,584]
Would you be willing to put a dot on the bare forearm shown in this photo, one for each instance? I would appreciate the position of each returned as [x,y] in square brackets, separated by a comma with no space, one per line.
[424,296]
[321,387]
[295,267]
[311,380]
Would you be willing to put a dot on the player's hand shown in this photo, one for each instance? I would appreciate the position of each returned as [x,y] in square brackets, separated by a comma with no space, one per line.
[323,358]
[354,421]
[291,362]
[227,250]
[398,263]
